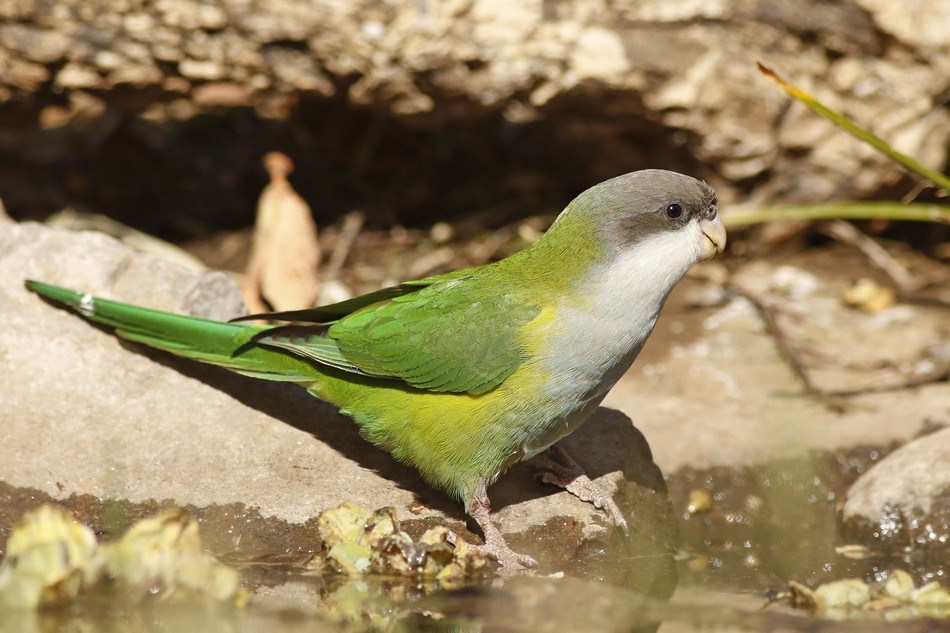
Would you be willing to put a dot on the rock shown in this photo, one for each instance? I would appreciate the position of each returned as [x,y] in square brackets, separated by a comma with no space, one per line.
[606,81]
[906,496]
[919,24]
[88,414]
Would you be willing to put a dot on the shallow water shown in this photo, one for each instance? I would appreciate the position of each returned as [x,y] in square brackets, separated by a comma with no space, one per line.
[744,534]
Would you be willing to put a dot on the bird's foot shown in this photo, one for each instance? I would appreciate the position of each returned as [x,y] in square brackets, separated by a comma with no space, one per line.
[495,546]
[509,559]
[561,470]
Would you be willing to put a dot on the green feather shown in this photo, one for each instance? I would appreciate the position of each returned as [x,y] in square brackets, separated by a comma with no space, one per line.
[436,339]
[223,344]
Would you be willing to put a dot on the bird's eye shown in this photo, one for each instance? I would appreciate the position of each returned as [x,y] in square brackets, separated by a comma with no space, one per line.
[674,211]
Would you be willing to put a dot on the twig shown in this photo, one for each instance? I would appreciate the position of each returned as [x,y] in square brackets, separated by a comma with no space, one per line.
[938,374]
[831,398]
[866,210]
[879,258]
[352,225]
[785,347]
[857,131]
[908,284]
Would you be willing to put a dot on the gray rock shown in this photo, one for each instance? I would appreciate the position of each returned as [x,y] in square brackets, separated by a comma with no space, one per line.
[88,414]
[913,481]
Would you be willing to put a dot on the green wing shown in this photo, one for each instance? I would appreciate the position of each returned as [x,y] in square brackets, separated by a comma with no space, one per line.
[336,311]
[448,333]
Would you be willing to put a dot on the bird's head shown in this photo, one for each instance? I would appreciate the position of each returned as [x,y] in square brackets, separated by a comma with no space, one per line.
[651,208]
[647,206]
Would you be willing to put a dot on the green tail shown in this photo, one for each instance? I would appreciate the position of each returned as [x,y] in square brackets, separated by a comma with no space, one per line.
[225,344]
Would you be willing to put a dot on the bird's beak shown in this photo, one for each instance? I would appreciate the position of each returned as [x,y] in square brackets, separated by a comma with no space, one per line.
[715,233]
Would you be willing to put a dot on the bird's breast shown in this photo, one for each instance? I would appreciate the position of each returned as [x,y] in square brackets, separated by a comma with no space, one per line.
[587,353]
[594,334]
[583,341]
[579,358]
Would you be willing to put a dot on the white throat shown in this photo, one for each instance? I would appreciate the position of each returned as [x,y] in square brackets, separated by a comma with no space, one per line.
[595,340]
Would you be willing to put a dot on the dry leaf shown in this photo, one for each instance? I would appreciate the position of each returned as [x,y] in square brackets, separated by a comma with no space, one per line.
[285,254]
[851,598]
[868,295]
[49,555]
[359,541]
[54,560]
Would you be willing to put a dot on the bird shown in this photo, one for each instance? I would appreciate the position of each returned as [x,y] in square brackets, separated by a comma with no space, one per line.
[463,374]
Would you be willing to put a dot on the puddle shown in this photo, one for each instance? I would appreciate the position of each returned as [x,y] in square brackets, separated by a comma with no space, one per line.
[767,525]
[749,532]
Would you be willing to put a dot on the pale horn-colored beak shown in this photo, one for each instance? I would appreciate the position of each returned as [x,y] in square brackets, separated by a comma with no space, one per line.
[715,233]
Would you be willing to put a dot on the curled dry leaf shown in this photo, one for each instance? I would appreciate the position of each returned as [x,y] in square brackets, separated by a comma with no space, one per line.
[285,254]
[53,560]
[49,556]
[360,541]
[868,295]
[851,598]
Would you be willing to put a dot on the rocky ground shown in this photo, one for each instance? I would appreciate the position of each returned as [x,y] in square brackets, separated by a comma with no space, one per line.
[417,111]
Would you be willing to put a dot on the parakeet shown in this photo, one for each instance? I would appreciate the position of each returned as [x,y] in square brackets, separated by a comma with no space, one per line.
[463,374]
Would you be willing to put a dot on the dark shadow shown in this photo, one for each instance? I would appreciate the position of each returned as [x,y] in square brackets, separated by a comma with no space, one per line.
[608,442]
[193,178]
[293,406]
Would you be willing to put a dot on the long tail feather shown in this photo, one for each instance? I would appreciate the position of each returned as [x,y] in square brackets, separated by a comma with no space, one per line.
[225,344]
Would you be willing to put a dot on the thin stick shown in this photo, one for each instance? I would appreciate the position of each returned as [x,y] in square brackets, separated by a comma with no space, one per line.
[857,131]
[938,374]
[831,398]
[352,225]
[876,254]
[916,212]
[785,347]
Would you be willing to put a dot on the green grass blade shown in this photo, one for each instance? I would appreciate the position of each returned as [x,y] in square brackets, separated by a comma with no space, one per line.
[857,131]
[873,210]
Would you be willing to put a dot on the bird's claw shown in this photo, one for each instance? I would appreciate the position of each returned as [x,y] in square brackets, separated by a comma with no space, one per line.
[586,490]
[560,470]
[506,557]
[498,552]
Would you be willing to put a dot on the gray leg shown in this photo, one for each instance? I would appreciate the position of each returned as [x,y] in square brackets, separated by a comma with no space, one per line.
[495,547]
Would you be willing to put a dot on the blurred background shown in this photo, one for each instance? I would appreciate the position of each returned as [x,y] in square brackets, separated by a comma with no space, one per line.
[158,113]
